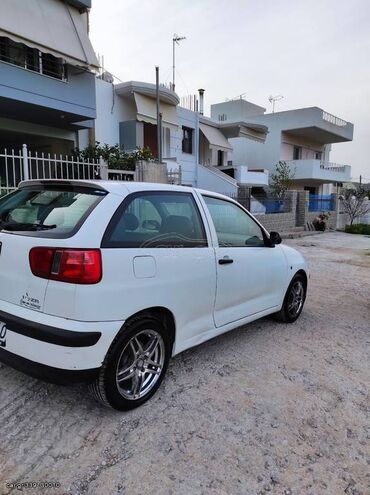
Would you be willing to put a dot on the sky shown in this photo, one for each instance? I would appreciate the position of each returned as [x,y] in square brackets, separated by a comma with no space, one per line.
[313,52]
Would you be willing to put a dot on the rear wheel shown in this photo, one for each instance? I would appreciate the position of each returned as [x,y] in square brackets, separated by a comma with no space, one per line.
[294,300]
[134,366]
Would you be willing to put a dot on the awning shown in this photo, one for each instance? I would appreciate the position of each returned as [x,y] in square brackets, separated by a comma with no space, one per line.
[147,110]
[51,26]
[215,137]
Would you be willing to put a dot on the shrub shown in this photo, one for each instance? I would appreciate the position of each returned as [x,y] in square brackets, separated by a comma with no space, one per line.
[115,157]
[359,228]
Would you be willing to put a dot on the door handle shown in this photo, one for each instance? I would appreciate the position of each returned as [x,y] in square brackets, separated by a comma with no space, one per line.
[225,261]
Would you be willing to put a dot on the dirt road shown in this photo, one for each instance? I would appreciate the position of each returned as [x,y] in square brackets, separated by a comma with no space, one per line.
[267,408]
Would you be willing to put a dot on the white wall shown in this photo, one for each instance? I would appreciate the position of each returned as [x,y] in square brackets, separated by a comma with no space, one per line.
[209,179]
[187,161]
[111,110]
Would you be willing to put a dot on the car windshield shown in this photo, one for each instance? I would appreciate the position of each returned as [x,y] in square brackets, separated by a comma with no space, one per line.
[47,211]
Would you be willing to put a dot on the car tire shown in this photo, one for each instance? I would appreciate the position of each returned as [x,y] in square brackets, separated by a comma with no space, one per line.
[134,366]
[294,300]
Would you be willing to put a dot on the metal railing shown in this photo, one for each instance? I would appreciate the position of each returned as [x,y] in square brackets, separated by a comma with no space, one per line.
[332,166]
[16,166]
[263,205]
[333,119]
[123,175]
[321,202]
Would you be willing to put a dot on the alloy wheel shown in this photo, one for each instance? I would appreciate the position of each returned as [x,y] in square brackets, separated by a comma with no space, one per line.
[295,299]
[140,364]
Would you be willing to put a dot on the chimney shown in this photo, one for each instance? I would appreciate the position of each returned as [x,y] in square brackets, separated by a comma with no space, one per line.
[201,101]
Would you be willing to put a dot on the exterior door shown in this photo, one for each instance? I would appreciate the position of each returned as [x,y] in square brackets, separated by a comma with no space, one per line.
[251,276]
[150,138]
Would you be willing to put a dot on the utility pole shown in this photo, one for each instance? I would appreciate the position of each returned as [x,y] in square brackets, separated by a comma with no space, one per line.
[175,41]
[159,119]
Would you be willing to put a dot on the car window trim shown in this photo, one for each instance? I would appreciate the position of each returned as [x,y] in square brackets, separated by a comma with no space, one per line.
[264,235]
[107,243]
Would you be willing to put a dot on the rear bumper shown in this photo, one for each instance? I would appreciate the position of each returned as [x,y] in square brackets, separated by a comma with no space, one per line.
[47,373]
[47,333]
[45,346]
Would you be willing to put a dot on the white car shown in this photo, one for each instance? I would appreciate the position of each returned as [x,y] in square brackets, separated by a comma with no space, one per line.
[103,281]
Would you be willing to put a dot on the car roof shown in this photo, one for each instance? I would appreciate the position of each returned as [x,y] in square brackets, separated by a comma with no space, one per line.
[121,188]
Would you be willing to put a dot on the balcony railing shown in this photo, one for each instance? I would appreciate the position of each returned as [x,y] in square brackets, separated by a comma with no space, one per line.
[321,202]
[319,170]
[333,119]
[332,166]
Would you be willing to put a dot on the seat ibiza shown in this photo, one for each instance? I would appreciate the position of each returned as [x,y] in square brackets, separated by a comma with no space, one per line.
[102,281]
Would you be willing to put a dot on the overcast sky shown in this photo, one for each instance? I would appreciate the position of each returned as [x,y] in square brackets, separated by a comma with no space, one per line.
[313,52]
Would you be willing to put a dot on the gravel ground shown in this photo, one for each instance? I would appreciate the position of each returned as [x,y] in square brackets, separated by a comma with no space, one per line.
[267,408]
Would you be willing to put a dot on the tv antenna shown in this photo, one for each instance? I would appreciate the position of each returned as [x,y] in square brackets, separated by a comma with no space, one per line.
[175,41]
[273,99]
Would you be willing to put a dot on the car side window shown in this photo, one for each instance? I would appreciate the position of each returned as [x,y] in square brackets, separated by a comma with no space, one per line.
[234,227]
[156,219]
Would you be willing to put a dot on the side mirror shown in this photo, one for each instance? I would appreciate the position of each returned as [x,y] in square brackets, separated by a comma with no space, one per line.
[275,238]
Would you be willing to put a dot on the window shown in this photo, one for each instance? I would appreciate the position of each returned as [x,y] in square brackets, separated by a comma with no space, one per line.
[297,152]
[52,66]
[220,158]
[187,140]
[234,227]
[156,219]
[31,59]
[318,155]
[48,211]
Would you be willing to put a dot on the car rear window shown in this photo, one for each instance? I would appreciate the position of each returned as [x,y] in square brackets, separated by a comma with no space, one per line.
[48,211]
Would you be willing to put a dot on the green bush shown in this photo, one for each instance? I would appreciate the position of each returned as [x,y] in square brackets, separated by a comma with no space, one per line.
[359,228]
[115,157]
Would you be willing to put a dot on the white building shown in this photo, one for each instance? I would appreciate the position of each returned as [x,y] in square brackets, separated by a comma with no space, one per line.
[47,75]
[301,137]
[126,115]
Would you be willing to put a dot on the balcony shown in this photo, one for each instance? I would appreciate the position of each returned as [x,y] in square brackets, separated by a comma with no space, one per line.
[33,97]
[319,170]
[251,177]
[314,124]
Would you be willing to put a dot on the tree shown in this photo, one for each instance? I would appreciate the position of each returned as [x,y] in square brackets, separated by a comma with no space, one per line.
[114,156]
[354,202]
[281,180]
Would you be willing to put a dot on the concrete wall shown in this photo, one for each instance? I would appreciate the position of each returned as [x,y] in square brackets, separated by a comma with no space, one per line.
[210,180]
[298,216]
[187,161]
[238,109]
[111,110]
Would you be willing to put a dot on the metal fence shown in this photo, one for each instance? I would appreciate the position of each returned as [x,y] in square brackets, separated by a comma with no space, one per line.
[262,204]
[321,202]
[16,166]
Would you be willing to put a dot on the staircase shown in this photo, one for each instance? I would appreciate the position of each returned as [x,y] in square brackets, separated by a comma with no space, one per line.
[216,180]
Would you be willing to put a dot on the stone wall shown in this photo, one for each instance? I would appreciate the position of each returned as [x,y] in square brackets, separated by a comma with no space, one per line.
[298,216]
[332,222]
[278,222]
[281,222]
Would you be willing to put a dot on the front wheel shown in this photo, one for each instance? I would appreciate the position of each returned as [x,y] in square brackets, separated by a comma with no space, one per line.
[293,301]
[134,366]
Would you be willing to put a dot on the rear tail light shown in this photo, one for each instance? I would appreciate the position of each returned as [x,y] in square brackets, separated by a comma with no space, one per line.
[76,266]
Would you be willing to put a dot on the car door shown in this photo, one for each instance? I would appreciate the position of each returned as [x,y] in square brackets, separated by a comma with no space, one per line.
[156,254]
[251,274]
